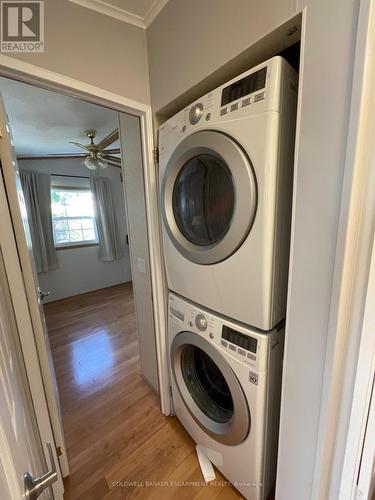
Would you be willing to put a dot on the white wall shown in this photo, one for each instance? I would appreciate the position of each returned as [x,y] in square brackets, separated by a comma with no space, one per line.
[80,269]
[190,40]
[93,48]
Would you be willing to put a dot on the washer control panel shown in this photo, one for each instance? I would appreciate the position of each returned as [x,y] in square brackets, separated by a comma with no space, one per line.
[240,342]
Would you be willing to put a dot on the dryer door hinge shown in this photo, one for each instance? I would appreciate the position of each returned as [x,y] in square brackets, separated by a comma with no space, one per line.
[156,155]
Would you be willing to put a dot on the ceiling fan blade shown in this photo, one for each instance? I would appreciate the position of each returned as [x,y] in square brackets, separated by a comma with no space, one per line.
[112,151]
[51,155]
[110,139]
[66,155]
[79,145]
[111,157]
[113,164]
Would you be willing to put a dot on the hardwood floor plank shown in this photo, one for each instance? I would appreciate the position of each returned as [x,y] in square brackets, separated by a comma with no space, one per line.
[114,430]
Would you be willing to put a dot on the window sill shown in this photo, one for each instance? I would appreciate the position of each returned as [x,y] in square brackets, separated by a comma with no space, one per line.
[84,245]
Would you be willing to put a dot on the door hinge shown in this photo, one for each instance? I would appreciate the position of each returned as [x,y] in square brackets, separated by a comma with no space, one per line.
[58,451]
[156,155]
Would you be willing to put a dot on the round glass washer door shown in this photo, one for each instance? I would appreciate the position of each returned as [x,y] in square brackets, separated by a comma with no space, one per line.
[209,389]
[209,197]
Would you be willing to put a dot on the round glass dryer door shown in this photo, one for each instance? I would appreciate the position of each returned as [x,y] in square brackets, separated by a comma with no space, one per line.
[208,197]
[210,389]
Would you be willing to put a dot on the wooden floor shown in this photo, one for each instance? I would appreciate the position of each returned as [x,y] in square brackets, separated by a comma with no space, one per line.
[117,439]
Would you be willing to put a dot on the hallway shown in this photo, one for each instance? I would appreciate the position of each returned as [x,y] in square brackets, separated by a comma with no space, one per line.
[116,437]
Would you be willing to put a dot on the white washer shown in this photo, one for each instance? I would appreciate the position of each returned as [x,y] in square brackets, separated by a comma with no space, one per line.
[226,384]
[226,166]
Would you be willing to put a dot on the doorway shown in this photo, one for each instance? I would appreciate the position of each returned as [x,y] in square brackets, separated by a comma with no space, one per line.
[86,288]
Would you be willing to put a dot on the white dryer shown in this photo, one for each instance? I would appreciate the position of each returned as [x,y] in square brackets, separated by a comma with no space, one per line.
[226,166]
[226,384]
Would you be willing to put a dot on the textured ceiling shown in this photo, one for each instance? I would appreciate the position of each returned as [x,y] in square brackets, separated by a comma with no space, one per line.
[44,122]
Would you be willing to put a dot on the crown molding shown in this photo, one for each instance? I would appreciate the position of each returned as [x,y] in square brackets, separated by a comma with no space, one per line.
[153,11]
[123,15]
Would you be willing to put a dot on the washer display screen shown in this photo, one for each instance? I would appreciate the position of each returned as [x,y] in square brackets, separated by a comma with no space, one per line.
[237,338]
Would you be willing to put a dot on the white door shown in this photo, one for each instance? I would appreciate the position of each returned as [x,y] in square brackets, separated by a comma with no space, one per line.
[21,449]
[131,147]
[17,209]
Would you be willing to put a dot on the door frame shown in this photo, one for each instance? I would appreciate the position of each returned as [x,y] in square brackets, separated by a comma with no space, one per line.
[348,368]
[49,80]
[360,446]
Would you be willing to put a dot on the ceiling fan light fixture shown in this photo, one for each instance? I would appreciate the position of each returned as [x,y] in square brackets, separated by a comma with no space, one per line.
[102,163]
[96,155]
[90,163]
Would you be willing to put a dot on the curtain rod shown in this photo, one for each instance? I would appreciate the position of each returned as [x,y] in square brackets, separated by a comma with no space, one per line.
[74,176]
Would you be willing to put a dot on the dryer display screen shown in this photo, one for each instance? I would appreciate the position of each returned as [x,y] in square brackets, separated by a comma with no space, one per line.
[252,83]
[237,338]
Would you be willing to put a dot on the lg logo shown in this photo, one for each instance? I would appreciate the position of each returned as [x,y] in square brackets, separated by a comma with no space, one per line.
[22,26]
[253,378]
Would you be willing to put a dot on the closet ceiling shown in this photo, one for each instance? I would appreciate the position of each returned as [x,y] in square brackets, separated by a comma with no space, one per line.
[44,122]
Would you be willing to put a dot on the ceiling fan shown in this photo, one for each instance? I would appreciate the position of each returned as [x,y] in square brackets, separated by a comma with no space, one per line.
[96,155]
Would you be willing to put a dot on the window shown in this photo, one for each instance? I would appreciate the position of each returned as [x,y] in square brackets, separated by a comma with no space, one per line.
[73,218]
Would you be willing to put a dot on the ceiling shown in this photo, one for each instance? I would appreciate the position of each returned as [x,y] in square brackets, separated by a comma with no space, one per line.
[44,122]
[140,13]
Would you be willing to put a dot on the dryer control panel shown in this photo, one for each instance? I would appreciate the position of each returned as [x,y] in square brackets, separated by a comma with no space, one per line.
[244,86]
[255,91]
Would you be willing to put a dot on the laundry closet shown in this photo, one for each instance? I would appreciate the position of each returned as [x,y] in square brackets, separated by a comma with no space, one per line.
[226,187]
[322,43]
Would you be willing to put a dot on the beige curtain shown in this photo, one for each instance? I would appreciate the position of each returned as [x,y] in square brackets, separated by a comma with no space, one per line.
[109,243]
[37,193]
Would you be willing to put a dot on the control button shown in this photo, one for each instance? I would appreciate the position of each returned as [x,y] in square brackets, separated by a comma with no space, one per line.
[224,343]
[184,128]
[246,102]
[211,335]
[190,323]
[208,117]
[259,97]
[195,113]
[223,111]
[201,322]
[241,351]
[232,347]
[251,356]
[234,106]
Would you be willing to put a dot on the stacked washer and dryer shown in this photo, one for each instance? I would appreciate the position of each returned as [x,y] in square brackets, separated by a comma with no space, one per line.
[226,170]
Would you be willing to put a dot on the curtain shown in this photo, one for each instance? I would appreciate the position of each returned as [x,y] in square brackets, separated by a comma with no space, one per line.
[37,193]
[109,243]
